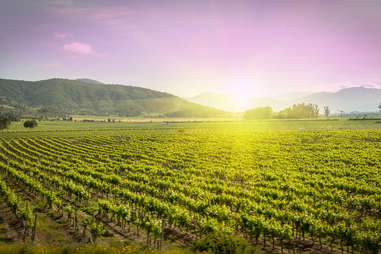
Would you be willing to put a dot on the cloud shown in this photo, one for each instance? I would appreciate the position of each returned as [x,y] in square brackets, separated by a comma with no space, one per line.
[78,48]
[62,35]
[365,84]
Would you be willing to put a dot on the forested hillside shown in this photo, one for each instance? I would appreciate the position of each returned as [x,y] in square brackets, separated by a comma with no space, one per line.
[63,96]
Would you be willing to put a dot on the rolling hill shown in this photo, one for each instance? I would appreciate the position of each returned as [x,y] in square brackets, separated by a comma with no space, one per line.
[89,81]
[93,98]
[353,99]
[226,102]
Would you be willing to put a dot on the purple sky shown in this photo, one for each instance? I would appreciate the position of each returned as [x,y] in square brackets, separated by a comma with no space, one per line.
[259,48]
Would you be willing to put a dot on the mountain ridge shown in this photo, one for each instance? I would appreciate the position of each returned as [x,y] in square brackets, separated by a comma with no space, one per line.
[350,99]
[67,96]
[89,81]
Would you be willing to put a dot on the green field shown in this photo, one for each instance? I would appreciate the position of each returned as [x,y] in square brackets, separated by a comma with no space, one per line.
[72,128]
[312,186]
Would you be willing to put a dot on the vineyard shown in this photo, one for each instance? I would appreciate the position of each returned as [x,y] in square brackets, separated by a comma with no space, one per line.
[281,190]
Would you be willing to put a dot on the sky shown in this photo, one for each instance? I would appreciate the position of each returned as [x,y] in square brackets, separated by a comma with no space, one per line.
[248,48]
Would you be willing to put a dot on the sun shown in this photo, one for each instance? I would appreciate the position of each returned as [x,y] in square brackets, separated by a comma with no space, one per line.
[242,91]
[243,96]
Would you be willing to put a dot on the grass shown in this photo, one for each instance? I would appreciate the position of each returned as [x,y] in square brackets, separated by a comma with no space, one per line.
[69,128]
[89,249]
[3,236]
[47,228]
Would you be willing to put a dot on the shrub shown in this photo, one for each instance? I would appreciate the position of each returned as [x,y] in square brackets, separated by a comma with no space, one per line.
[223,243]
[5,121]
[30,124]
[258,113]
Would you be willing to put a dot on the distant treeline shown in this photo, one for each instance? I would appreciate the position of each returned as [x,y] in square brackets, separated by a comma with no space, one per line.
[7,118]
[296,111]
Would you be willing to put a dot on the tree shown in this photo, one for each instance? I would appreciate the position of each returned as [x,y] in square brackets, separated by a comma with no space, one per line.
[315,110]
[300,111]
[5,121]
[326,111]
[258,113]
[341,113]
[30,124]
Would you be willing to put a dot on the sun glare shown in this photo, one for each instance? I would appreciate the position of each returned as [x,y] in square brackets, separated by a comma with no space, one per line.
[244,91]
[243,96]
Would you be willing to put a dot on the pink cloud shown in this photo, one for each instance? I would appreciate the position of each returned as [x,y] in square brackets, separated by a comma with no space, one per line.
[78,48]
[62,35]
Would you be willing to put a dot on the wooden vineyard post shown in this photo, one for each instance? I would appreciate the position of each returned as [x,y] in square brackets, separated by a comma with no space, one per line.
[34,228]
[163,229]
[25,224]
[75,219]
[25,231]
[162,233]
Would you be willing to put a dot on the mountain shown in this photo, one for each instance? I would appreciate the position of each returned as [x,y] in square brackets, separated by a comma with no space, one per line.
[353,99]
[79,97]
[89,81]
[291,96]
[360,99]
